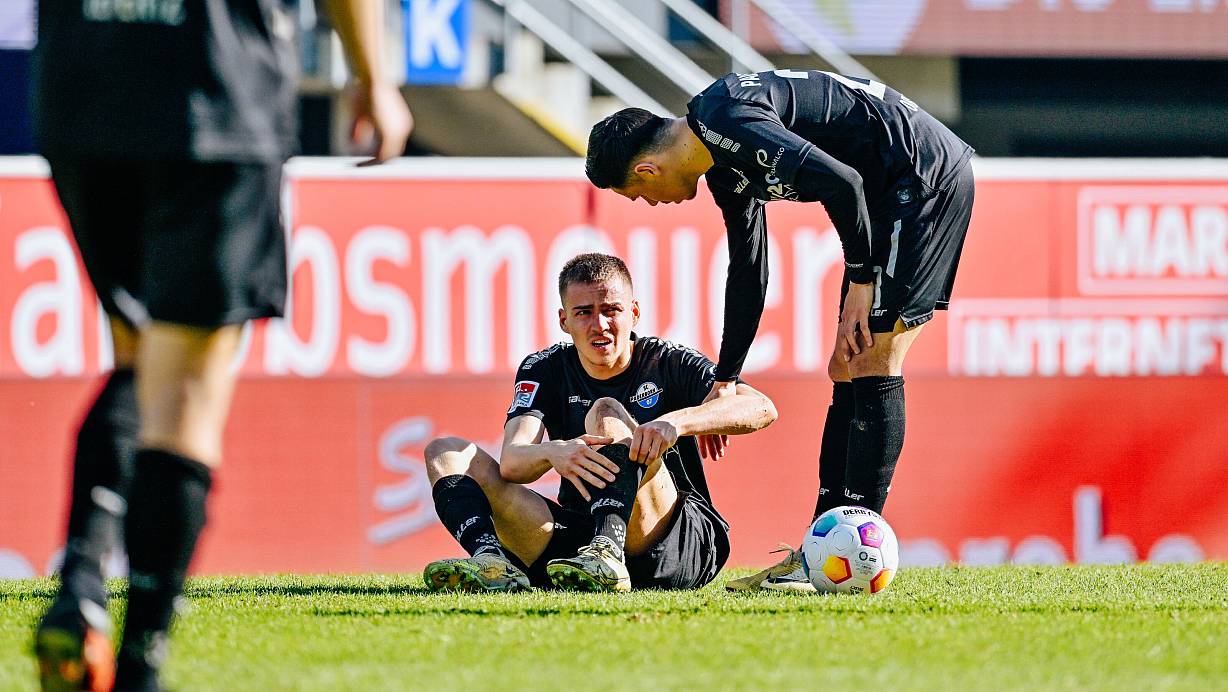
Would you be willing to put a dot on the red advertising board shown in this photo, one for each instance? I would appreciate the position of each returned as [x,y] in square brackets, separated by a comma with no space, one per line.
[1028,28]
[1064,410]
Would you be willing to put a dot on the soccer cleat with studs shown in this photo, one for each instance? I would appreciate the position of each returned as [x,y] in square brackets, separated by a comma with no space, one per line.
[786,575]
[598,566]
[480,573]
[73,647]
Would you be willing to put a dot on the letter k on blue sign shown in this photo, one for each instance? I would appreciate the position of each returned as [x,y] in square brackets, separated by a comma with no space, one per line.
[436,34]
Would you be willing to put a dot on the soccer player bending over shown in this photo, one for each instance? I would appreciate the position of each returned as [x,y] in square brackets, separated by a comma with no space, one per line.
[898,188]
[622,413]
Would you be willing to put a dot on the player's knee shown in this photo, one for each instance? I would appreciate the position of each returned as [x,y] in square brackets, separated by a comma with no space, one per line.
[443,452]
[837,369]
[608,406]
[869,363]
[605,409]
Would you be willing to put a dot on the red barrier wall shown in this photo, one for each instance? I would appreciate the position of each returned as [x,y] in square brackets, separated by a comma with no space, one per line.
[1069,400]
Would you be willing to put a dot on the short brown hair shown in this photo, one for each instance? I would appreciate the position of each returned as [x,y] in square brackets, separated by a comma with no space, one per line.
[591,268]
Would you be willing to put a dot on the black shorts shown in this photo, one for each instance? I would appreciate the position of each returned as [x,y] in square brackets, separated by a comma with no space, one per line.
[915,271]
[189,242]
[690,555]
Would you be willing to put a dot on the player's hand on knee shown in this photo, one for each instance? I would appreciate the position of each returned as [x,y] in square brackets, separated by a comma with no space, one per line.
[650,440]
[581,465]
[855,332]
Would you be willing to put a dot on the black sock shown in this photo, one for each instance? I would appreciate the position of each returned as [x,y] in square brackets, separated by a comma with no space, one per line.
[833,451]
[611,506]
[166,512]
[464,509]
[102,467]
[875,440]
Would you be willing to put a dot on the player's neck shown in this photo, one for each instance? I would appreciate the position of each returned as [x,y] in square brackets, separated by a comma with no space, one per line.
[619,366]
[694,156]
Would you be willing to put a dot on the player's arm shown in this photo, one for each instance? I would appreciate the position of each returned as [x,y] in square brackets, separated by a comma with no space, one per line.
[813,174]
[527,456]
[745,411]
[746,282]
[379,108]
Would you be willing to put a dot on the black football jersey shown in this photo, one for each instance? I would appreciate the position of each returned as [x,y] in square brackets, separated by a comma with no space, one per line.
[209,80]
[663,376]
[859,147]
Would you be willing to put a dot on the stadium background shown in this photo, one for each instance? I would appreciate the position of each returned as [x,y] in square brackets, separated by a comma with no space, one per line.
[1062,411]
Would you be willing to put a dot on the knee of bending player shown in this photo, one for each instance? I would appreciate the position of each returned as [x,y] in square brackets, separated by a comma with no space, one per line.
[837,368]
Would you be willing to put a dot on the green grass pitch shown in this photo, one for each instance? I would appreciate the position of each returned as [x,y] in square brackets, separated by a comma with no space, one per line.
[1143,627]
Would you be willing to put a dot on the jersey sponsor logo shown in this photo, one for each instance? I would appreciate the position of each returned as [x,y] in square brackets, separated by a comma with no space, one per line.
[574,399]
[168,12]
[776,189]
[743,183]
[526,390]
[647,395]
[717,139]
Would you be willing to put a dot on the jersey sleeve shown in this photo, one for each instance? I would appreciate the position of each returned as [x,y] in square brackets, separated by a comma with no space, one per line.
[795,168]
[537,388]
[695,373]
[747,280]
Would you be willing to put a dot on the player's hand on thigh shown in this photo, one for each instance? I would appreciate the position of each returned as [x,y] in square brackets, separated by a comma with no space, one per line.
[650,440]
[581,465]
[855,321]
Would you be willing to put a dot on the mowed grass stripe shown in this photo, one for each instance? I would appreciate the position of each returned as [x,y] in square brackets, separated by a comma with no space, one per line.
[1103,627]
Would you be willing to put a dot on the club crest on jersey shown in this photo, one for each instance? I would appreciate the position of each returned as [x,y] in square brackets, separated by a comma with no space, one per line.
[647,395]
[525,391]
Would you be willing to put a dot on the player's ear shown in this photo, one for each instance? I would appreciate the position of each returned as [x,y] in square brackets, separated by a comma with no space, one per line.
[635,312]
[646,169]
[562,319]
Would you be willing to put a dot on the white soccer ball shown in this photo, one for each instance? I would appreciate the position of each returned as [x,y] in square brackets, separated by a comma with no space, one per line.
[850,550]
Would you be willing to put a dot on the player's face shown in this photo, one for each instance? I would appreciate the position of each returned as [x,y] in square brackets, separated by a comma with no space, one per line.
[658,185]
[599,318]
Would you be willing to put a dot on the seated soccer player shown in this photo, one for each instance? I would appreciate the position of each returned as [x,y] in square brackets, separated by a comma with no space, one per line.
[621,418]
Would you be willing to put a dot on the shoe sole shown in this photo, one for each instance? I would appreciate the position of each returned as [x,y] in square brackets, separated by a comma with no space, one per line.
[66,663]
[457,576]
[789,586]
[571,578]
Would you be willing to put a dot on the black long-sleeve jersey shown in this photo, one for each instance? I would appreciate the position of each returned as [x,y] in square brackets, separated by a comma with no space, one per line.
[862,149]
[663,376]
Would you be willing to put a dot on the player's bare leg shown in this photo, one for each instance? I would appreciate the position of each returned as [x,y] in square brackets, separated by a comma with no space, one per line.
[487,515]
[73,643]
[876,435]
[184,386]
[631,514]
[657,495]
[876,368]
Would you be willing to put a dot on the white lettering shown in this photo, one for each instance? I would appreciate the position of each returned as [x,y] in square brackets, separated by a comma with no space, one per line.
[284,351]
[387,300]
[1120,245]
[431,34]
[442,253]
[60,298]
[1091,545]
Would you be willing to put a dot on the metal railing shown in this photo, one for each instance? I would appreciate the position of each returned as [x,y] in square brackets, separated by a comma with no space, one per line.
[805,32]
[578,54]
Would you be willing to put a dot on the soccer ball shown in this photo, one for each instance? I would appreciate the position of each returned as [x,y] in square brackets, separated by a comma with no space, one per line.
[850,550]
